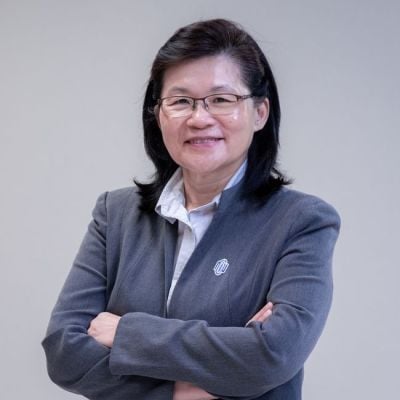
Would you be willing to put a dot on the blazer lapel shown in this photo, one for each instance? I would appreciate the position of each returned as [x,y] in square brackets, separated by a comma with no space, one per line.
[170,237]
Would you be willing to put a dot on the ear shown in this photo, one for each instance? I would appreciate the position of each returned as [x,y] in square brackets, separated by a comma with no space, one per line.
[262,113]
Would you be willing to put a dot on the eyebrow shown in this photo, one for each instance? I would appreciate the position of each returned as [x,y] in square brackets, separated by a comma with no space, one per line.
[181,90]
[177,89]
[222,87]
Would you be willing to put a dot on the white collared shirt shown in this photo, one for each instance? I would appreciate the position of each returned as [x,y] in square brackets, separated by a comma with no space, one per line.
[191,224]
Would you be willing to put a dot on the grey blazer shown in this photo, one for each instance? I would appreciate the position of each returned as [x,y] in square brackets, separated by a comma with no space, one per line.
[280,251]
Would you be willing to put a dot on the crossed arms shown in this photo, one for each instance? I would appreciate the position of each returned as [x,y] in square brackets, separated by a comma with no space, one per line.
[104,327]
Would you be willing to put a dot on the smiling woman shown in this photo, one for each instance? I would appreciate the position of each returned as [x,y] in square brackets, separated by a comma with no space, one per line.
[214,279]
[207,145]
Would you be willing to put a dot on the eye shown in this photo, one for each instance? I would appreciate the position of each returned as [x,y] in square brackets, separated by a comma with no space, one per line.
[223,98]
[177,101]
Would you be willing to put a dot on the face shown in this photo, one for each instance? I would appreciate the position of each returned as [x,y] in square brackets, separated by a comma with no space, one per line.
[205,145]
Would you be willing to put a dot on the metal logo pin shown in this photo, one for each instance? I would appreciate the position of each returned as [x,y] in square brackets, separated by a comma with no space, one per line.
[221,266]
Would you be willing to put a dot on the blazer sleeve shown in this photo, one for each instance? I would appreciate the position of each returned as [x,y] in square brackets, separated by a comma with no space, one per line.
[244,362]
[75,361]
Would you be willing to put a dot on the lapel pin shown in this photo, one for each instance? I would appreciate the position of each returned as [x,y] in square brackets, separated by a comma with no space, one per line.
[221,266]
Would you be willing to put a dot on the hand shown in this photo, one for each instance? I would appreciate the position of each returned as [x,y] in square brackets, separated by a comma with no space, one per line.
[187,391]
[263,314]
[103,328]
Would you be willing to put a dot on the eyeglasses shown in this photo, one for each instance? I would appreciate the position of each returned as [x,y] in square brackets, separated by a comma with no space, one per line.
[215,104]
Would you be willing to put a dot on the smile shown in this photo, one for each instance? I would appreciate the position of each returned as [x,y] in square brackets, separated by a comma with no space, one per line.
[203,140]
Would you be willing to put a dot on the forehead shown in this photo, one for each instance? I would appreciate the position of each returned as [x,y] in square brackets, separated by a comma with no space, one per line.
[203,76]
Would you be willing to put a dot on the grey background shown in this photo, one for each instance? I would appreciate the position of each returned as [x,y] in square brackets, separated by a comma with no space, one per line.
[72,77]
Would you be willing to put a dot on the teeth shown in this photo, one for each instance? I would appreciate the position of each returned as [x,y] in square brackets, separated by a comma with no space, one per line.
[206,140]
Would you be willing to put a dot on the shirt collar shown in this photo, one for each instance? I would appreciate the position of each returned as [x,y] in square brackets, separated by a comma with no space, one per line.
[171,204]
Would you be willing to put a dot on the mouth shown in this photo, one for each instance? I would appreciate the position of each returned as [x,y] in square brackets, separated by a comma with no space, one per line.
[200,140]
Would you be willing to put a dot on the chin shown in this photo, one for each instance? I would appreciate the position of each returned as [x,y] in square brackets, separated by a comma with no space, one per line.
[205,169]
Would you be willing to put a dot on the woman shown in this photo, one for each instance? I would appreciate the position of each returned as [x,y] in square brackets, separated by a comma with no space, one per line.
[214,280]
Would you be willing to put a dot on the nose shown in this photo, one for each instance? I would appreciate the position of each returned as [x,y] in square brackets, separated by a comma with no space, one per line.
[197,101]
[200,116]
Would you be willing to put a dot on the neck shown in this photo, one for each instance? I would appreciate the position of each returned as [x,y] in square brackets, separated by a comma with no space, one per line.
[201,189]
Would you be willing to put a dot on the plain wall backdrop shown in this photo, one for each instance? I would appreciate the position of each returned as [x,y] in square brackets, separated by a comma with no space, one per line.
[72,79]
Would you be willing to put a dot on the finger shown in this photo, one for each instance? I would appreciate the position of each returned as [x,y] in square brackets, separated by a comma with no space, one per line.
[261,318]
[90,331]
[92,327]
[263,314]
[268,306]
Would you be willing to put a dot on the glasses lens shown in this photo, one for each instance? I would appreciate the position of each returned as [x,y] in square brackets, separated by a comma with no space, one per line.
[221,103]
[177,105]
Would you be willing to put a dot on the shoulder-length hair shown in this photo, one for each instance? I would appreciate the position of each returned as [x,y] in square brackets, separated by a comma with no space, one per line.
[204,39]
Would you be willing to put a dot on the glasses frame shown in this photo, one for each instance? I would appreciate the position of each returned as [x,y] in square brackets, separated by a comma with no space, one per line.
[203,99]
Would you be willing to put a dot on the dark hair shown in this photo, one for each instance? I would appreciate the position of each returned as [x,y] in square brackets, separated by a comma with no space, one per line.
[209,38]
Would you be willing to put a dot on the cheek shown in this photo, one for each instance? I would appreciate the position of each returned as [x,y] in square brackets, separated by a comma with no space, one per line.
[168,142]
[238,130]
[172,145]
[233,118]
[168,133]
[240,122]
